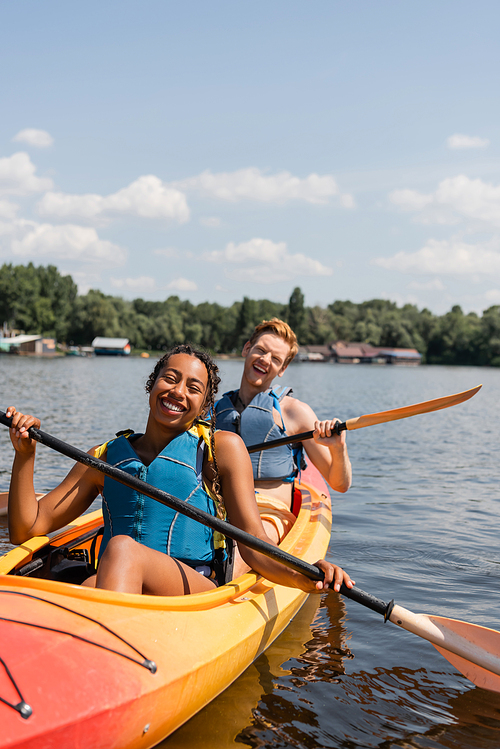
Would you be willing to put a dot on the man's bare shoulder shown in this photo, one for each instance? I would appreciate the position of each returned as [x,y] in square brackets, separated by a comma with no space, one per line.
[298,415]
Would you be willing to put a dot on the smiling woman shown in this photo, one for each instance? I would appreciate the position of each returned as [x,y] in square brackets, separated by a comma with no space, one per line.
[147,547]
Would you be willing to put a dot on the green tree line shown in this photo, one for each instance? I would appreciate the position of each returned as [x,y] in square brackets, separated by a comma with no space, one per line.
[41,300]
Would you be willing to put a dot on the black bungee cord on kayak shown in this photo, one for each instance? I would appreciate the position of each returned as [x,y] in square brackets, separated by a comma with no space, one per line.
[22,707]
[146,662]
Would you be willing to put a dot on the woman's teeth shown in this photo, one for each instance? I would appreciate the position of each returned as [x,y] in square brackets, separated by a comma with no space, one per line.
[172,406]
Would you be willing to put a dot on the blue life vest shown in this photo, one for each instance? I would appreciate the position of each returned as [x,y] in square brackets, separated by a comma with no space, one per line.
[257,424]
[177,470]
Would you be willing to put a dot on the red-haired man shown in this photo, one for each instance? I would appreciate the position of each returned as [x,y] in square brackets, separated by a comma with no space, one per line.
[260,412]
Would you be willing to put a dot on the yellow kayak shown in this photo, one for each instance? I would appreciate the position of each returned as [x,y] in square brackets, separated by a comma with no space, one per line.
[90,668]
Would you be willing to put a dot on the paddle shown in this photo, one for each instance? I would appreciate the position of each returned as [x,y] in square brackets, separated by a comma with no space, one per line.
[473,650]
[379,418]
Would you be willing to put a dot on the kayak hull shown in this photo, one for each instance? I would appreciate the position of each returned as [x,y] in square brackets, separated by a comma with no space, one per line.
[80,657]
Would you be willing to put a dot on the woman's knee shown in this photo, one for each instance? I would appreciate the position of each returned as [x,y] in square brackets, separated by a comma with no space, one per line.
[120,548]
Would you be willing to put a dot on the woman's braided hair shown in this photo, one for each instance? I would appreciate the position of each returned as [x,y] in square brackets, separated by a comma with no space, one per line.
[208,408]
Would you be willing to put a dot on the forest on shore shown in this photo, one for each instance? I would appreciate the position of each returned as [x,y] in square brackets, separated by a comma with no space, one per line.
[40,300]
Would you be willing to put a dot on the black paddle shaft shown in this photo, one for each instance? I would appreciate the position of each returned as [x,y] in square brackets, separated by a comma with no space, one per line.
[306,569]
[339,427]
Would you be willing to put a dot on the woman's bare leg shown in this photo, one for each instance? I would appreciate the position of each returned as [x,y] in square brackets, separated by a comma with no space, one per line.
[129,567]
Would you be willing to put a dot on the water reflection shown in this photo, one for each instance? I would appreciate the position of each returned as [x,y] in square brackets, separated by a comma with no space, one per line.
[311,648]
[377,709]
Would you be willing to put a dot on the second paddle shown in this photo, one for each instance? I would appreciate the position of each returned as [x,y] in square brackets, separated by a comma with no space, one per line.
[381,417]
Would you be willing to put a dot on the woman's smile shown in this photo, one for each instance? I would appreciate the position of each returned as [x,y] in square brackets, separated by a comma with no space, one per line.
[170,405]
[180,389]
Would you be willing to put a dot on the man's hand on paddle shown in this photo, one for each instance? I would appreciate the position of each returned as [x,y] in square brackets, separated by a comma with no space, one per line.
[324,433]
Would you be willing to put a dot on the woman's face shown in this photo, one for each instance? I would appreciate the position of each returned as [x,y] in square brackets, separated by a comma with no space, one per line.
[179,392]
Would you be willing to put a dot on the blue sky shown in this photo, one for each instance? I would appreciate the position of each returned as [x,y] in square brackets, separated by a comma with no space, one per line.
[220,149]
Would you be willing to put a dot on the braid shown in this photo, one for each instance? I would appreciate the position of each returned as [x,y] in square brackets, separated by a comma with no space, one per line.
[208,408]
[213,384]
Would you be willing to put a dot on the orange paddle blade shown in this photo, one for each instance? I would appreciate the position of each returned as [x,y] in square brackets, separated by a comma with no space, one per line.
[483,647]
[478,675]
[419,408]
[473,650]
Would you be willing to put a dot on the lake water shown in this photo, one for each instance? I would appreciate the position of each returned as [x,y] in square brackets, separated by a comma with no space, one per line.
[420,525]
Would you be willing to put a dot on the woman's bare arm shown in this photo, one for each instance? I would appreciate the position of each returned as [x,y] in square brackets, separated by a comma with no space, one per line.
[236,476]
[30,517]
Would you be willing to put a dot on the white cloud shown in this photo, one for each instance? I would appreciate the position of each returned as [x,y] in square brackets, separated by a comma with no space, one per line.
[29,240]
[182,284]
[8,209]
[471,198]
[149,285]
[347,201]
[17,176]
[266,262]
[212,222]
[142,284]
[16,228]
[37,138]
[435,284]
[456,198]
[410,200]
[254,184]
[447,257]
[458,141]
[147,197]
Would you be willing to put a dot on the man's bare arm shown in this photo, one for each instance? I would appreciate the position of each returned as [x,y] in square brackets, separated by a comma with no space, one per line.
[327,450]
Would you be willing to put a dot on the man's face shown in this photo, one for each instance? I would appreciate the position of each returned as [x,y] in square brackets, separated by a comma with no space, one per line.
[265,360]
